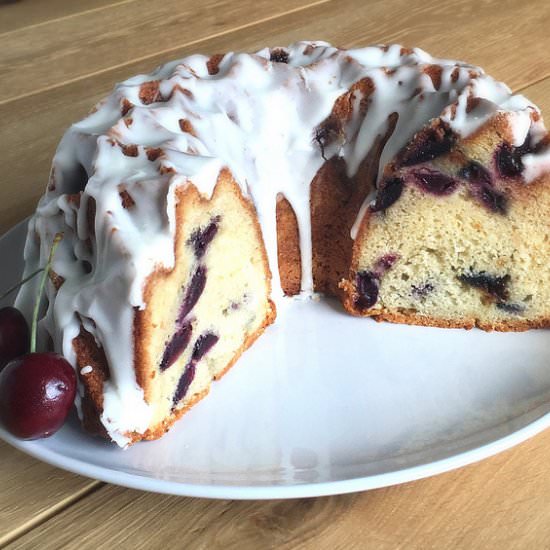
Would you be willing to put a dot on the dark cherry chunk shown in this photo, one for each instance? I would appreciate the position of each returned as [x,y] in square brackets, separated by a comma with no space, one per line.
[421,291]
[368,282]
[481,187]
[514,309]
[176,346]
[476,173]
[367,285]
[180,340]
[428,144]
[279,56]
[184,382]
[493,285]
[388,193]
[194,291]
[201,238]
[491,199]
[203,345]
[434,182]
[508,160]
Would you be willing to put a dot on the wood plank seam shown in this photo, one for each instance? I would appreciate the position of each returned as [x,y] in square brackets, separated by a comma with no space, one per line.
[530,84]
[48,514]
[69,16]
[168,50]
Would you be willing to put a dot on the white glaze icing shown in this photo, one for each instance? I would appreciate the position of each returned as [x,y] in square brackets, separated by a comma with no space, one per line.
[254,116]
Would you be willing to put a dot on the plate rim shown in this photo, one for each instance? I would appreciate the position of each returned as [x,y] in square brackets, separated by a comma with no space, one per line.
[265,492]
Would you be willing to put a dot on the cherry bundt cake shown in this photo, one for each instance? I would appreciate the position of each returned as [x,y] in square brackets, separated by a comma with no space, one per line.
[414,188]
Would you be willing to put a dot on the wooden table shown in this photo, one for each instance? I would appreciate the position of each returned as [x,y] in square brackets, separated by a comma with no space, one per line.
[57,59]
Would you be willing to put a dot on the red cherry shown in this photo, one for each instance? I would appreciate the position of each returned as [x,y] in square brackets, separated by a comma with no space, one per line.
[14,335]
[37,392]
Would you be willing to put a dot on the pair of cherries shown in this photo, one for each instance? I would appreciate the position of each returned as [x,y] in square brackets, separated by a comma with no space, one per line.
[37,390]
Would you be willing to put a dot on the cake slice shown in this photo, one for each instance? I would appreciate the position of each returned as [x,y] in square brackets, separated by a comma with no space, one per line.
[458,236]
[200,315]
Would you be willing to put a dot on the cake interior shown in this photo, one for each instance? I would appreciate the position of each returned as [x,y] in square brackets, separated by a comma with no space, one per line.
[458,241]
[206,311]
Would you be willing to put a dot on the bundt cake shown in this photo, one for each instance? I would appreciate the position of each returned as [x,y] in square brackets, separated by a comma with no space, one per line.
[413,188]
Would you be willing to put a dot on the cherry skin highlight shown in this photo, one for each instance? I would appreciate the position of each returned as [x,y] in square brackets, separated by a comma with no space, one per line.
[14,335]
[37,392]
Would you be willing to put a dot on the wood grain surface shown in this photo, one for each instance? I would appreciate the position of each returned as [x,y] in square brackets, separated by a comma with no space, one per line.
[499,503]
[57,59]
[16,15]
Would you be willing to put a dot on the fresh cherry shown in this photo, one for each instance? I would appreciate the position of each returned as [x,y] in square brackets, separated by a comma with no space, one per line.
[37,392]
[14,335]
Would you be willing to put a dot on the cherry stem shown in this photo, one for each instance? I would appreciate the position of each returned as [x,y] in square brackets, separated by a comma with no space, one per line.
[46,272]
[20,283]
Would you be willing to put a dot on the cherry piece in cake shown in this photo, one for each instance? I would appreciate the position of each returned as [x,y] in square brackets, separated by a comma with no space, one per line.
[434,182]
[194,292]
[202,346]
[368,285]
[389,192]
[201,238]
[494,285]
[176,346]
[428,144]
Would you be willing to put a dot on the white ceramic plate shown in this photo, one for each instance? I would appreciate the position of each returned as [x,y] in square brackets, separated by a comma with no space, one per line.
[325,403]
